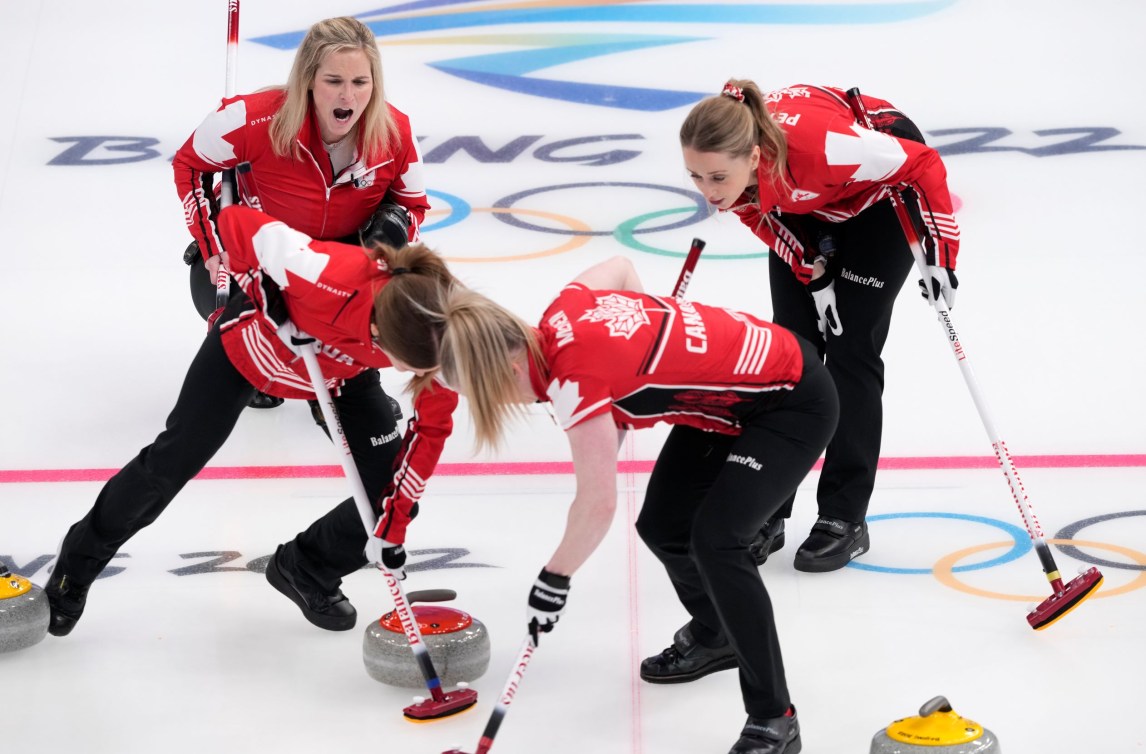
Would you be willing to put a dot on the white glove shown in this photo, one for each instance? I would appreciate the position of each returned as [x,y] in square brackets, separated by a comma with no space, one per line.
[943,283]
[388,554]
[823,290]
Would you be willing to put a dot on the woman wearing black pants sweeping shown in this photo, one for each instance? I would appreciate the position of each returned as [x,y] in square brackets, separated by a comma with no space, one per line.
[812,183]
[356,303]
[752,409]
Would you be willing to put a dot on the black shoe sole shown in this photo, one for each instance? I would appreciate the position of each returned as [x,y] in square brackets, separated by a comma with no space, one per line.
[794,747]
[726,664]
[808,564]
[62,625]
[276,579]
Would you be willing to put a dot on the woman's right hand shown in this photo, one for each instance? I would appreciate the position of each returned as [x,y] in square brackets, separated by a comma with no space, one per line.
[212,264]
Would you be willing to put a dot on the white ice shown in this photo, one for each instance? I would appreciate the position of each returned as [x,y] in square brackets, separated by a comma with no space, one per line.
[97,331]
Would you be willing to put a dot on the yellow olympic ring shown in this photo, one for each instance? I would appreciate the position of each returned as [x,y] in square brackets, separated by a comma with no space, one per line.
[574,242]
[944,572]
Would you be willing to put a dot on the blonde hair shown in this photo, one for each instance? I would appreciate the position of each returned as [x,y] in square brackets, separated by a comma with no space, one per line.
[479,346]
[410,310]
[376,129]
[726,125]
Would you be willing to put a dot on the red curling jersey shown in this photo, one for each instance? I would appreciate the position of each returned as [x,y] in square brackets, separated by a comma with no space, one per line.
[329,290]
[647,359]
[837,169]
[301,191]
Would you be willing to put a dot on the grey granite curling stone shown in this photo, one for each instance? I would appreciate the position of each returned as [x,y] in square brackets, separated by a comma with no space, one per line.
[23,613]
[458,644]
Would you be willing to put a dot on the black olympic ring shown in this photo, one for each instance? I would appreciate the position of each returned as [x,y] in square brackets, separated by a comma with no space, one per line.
[1068,532]
[508,202]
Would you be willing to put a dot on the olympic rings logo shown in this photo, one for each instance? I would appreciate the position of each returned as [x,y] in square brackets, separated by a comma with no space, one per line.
[505,210]
[946,568]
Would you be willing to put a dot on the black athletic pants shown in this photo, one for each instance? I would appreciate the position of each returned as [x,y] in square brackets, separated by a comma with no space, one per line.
[213,396]
[872,261]
[709,495]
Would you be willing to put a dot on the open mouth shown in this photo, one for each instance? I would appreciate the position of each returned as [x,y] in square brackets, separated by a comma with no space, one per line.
[341,115]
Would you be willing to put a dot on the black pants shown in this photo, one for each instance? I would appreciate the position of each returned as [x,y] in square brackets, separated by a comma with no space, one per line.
[871,264]
[209,404]
[709,495]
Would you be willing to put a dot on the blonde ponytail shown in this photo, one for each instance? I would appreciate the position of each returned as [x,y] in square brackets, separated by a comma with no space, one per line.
[410,310]
[481,342]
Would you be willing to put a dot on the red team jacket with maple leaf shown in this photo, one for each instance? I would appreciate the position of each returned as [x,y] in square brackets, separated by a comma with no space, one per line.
[647,359]
[837,169]
[329,290]
[303,192]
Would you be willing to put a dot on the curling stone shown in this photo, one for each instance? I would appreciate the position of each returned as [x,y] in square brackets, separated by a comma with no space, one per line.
[24,612]
[457,642]
[937,730]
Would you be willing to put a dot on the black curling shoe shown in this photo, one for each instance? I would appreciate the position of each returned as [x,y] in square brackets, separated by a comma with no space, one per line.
[768,540]
[775,735]
[686,660]
[832,544]
[66,601]
[264,401]
[332,611]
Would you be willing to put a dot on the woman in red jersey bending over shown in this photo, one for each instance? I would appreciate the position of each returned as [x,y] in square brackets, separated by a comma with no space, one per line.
[813,183]
[751,409]
[361,306]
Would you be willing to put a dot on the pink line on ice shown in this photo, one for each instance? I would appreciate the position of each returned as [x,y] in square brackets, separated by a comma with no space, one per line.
[534,468]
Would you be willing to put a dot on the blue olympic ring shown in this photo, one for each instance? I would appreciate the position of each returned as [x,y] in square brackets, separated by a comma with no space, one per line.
[1020,548]
[459,210]
[699,214]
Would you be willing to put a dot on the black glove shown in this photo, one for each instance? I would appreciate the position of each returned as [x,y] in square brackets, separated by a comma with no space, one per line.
[547,601]
[389,225]
[388,554]
[394,558]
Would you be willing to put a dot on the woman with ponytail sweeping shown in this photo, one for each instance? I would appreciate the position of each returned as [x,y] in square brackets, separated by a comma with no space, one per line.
[751,408]
[363,306]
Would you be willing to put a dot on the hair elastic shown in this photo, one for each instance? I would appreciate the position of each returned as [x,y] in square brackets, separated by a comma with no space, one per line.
[733,91]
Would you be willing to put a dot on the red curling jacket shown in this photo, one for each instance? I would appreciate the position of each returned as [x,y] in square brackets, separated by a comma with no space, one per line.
[837,168]
[645,359]
[329,290]
[303,192]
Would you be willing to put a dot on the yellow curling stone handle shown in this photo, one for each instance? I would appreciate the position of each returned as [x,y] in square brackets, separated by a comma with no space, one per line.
[936,725]
[12,585]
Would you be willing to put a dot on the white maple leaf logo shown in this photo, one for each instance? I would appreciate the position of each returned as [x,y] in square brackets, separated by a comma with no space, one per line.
[623,315]
[566,397]
[875,155]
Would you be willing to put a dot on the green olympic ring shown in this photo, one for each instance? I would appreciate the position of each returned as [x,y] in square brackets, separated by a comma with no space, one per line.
[625,234]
